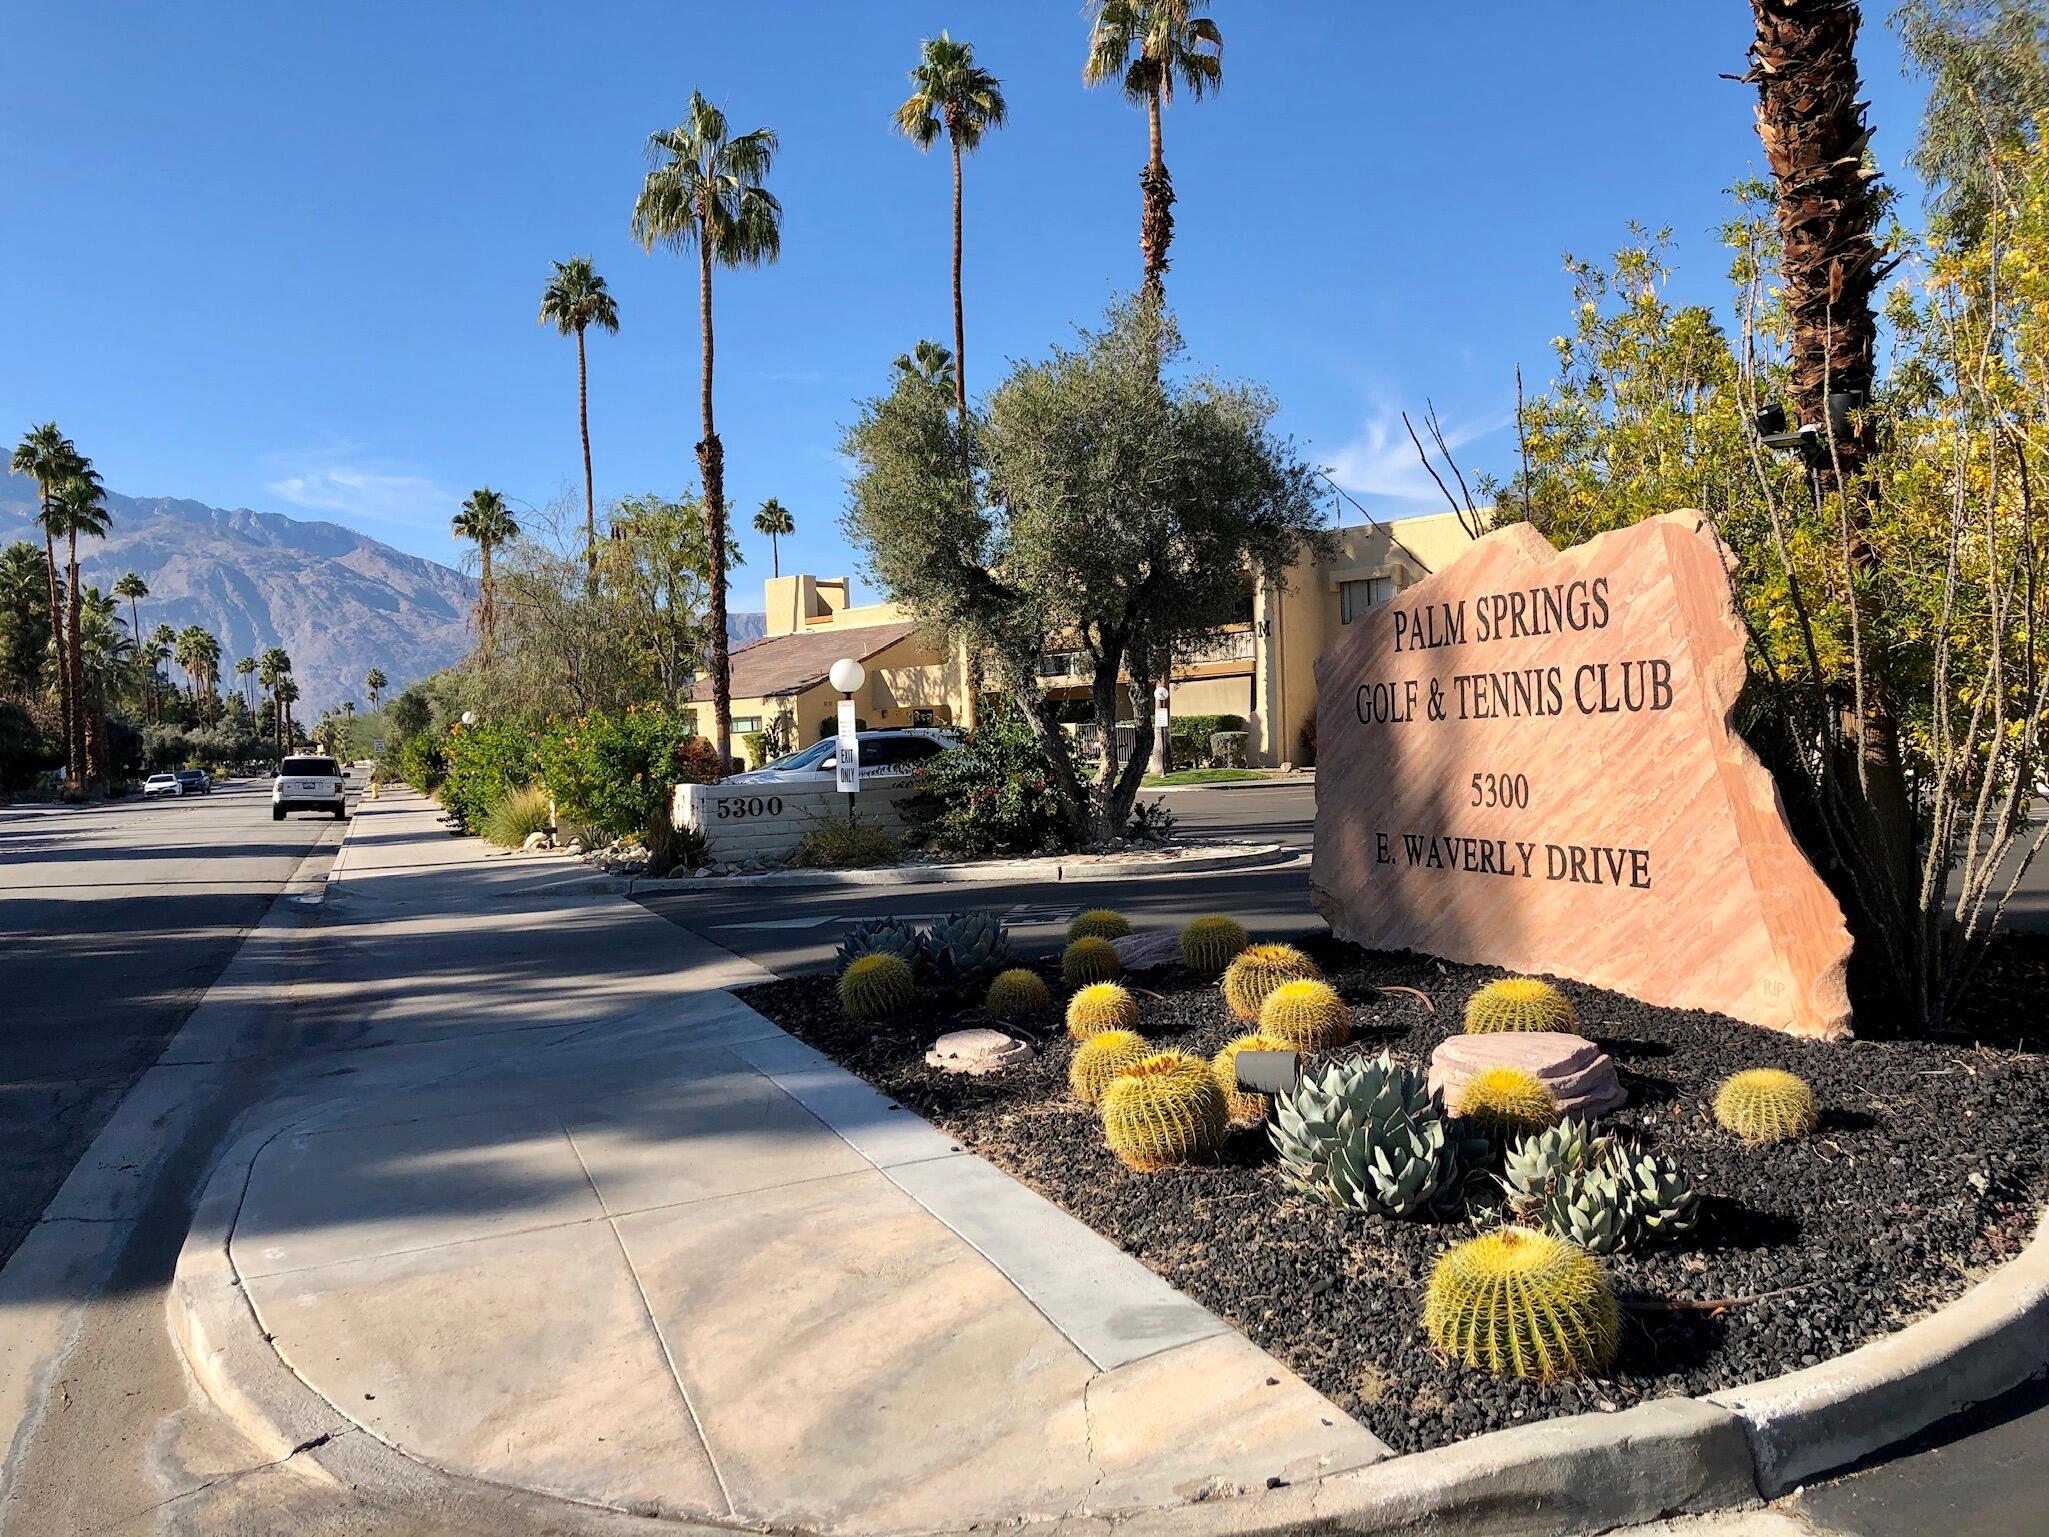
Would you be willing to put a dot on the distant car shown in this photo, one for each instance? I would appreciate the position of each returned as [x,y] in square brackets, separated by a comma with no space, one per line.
[307,784]
[885,754]
[195,781]
[161,784]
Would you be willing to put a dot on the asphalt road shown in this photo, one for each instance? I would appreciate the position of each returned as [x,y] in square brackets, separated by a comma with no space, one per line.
[793,930]
[114,920]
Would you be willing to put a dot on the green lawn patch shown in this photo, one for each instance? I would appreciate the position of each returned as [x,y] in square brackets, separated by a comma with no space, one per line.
[1210,776]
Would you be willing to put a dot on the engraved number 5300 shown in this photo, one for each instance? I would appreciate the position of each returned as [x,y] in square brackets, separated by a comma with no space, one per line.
[1512,790]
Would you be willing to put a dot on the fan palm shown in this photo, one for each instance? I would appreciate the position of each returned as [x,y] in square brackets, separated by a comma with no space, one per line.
[775,521]
[50,459]
[705,191]
[1150,47]
[24,602]
[273,673]
[103,654]
[928,361]
[575,300]
[82,505]
[374,681]
[134,589]
[487,523]
[245,669]
[200,655]
[953,95]
[287,694]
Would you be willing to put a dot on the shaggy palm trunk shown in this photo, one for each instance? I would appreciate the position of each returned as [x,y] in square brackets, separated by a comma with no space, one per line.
[711,465]
[486,617]
[58,645]
[1156,226]
[972,706]
[1811,124]
[73,644]
[590,499]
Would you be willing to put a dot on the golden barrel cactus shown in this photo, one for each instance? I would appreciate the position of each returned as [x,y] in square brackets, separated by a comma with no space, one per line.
[1089,959]
[1098,1007]
[878,986]
[1210,944]
[1766,1104]
[1516,1300]
[1098,923]
[1257,970]
[1101,1058]
[1306,1016]
[1518,1003]
[1506,1101]
[1017,993]
[1164,1110]
[1244,1109]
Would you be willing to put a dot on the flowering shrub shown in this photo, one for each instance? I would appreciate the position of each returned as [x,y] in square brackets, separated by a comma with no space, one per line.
[422,763]
[484,761]
[616,771]
[989,795]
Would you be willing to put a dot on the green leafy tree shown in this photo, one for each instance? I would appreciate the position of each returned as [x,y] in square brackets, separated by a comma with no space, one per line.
[706,192]
[24,618]
[1104,506]
[574,301]
[1987,67]
[954,96]
[775,523]
[487,523]
[1149,47]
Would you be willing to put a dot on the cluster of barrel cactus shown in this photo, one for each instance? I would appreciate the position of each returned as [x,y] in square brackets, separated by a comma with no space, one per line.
[1163,1110]
[1098,923]
[1306,1015]
[1506,1101]
[1257,970]
[1368,1134]
[1210,944]
[1089,959]
[1100,1058]
[1098,1007]
[877,986]
[1598,1192]
[1524,1302]
[1518,1003]
[1244,1107]
[960,951]
[1766,1104]
[1017,993]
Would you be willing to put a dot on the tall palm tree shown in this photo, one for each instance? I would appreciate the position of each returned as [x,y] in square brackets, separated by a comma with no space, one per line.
[574,300]
[775,521]
[375,681]
[287,694]
[25,601]
[134,589]
[160,648]
[50,459]
[928,361]
[1150,47]
[274,672]
[245,670]
[104,653]
[951,94]
[705,191]
[486,522]
[82,505]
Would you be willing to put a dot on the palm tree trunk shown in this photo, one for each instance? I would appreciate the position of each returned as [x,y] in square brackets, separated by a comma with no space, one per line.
[711,464]
[590,501]
[73,643]
[960,335]
[775,556]
[1156,227]
[486,614]
[57,644]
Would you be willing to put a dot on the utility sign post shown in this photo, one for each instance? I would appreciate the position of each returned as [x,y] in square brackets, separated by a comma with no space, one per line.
[847,765]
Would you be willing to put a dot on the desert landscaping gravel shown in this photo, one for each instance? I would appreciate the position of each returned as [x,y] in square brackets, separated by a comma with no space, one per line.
[1927,1170]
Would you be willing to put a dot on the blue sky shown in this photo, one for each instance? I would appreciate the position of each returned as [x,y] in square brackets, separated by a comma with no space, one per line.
[288,257]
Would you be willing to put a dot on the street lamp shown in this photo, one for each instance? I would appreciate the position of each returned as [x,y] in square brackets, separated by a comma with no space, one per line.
[847,675]
[469,717]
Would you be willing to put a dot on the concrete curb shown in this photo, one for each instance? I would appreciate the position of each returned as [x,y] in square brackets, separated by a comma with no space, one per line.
[1276,782]
[986,872]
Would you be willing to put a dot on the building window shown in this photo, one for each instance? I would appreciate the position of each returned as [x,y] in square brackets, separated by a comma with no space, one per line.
[1354,598]
[742,724]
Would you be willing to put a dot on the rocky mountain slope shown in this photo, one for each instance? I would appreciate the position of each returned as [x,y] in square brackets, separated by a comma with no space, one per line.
[340,602]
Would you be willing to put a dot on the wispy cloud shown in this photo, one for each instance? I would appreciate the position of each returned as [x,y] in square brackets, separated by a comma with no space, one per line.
[1379,461]
[338,482]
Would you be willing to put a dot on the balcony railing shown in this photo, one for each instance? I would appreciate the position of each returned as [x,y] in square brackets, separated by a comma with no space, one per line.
[1218,646]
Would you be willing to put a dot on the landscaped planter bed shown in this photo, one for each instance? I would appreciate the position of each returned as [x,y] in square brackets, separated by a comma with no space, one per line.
[1927,1169]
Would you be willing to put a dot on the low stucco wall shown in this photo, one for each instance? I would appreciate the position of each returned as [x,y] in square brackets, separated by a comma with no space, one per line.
[760,821]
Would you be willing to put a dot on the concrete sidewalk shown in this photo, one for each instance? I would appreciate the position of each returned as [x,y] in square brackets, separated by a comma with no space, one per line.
[578,1221]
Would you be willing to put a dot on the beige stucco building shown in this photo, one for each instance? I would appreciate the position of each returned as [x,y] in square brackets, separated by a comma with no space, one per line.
[1259,667]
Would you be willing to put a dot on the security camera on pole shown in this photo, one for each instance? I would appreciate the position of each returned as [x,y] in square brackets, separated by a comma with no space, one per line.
[847,676]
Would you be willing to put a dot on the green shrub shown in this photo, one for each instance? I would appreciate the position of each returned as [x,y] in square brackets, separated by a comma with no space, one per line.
[618,771]
[836,845]
[515,816]
[1189,736]
[485,761]
[990,795]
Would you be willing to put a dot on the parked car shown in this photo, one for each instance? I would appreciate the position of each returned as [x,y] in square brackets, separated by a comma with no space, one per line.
[885,754]
[161,784]
[306,783]
[195,781]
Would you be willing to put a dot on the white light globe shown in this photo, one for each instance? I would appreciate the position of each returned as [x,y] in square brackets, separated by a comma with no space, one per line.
[469,717]
[848,675]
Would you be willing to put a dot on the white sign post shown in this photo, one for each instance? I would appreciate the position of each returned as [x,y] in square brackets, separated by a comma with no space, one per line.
[847,764]
[1163,759]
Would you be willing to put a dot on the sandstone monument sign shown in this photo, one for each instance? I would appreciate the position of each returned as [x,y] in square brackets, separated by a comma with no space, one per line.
[1527,761]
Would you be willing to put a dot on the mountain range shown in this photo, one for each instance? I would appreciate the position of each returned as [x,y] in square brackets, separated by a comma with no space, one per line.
[339,602]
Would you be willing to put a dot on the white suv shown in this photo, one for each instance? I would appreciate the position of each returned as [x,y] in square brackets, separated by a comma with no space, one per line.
[307,784]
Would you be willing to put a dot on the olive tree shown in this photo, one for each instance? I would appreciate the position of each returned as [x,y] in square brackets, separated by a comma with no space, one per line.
[1103,501]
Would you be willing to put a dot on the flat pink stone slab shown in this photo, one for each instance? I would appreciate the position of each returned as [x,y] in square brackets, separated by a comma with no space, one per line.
[1527,761]
[977,1051]
[1576,1071]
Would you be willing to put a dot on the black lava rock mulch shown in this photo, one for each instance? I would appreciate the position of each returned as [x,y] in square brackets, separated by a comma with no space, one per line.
[1927,1170]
